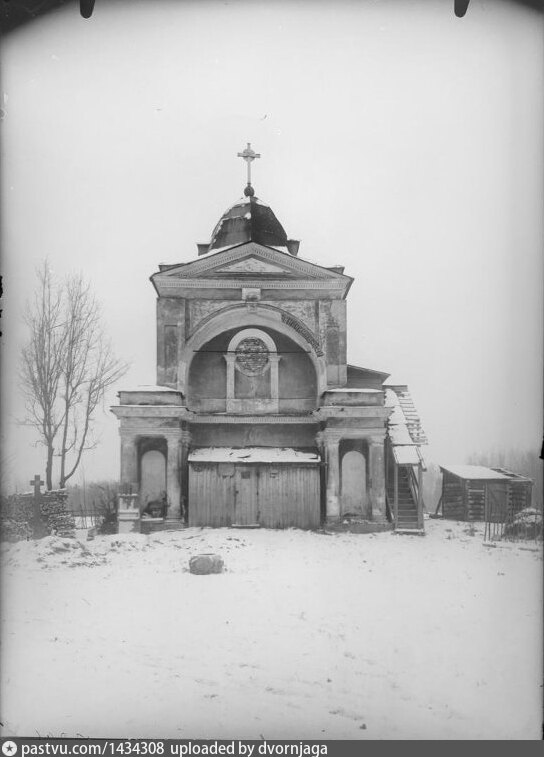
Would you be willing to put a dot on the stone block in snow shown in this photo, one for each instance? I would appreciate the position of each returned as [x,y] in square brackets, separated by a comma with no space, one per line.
[202,565]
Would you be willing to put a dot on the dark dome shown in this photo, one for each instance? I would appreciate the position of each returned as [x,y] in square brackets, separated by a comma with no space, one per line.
[248,220]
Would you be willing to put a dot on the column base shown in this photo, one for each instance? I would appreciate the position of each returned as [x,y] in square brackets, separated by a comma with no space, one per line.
[128,521]
[333,519]
[358,526]
[379,517]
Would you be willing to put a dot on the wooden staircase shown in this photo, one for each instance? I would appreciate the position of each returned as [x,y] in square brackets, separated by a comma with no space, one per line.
[407,515]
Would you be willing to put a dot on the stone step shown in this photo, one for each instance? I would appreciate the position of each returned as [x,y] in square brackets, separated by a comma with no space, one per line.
[152,525]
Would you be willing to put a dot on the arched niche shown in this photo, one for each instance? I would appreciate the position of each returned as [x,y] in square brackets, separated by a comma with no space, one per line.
[354,477]
[236,318]
[284,382]
[152,476]
[252,373]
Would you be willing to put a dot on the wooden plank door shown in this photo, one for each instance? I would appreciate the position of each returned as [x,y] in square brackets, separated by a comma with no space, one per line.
[246,495]
[497,502]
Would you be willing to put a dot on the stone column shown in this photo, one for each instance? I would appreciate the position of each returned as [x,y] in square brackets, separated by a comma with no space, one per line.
[274,379]
[230,358]
[184,473]
[129,461]
[173,477]
[377,480]
[332,447]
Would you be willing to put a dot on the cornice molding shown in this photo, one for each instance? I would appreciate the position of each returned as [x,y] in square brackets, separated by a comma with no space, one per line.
[130,433]
[225,257]
[335,436]
[149,411]
[288,318]
[252,419]
[171,283]
[340,412]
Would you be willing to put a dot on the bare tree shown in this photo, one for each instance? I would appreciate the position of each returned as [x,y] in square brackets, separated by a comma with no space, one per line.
[66,368]
[41,364]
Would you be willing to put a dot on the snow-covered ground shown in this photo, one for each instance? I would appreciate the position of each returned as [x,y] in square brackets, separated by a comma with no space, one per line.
[305,635]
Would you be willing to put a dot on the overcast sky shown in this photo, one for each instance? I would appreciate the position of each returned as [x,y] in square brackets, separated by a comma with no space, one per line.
[396,139]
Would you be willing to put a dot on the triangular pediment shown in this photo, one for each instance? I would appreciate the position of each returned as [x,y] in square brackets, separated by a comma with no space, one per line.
[251,264]
[250,260]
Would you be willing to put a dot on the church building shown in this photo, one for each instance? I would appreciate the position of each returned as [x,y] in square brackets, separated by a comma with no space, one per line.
[257,419]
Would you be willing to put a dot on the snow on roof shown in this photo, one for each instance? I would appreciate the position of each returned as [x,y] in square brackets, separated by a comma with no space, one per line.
[474,471]
[369,370]
[355,389]
[148,388]
[400,435]
[406,455]
[404,423]
[252,455]
[392,382]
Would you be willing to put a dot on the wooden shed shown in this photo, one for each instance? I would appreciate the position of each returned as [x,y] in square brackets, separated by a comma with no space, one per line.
[467,490]
[254,486]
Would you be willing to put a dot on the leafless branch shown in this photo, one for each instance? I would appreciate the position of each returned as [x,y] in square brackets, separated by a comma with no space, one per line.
[65,369]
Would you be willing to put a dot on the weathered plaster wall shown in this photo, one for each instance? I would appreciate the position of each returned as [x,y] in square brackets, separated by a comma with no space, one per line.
[170,338]
[253,435]
[305,310]
[179,318]
[208,376]
[332,334]
[199,309]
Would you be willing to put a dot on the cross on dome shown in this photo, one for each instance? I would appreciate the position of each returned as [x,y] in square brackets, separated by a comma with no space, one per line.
[249,156]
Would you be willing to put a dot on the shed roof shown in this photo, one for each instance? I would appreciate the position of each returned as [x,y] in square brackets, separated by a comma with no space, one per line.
[475,472]
[148,388]
[480,472]
[278,455]
[407,454]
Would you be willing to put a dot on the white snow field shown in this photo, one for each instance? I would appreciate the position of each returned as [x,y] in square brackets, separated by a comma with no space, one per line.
[305,636]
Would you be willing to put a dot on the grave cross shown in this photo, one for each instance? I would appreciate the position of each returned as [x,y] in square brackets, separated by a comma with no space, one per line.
[36,482]
[249,156]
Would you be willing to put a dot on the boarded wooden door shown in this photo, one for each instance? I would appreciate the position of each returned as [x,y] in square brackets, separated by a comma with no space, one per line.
[246,495]
[289,496]
[496,502]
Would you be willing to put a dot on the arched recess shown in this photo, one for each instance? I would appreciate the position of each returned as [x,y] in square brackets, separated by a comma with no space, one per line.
[252,372]
[238,318]
[153,476]
[354,478]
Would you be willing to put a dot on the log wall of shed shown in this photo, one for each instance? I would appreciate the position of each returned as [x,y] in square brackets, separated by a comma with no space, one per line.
[453,497]
[519,496]
[475,499]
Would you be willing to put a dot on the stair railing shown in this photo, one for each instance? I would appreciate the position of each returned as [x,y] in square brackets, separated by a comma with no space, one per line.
[416,487]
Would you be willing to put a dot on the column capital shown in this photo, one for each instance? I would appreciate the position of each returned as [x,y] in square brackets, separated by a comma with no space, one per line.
[332,437]
[172,435]
[376,440]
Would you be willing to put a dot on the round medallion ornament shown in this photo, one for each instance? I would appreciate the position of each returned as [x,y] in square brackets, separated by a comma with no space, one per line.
[252,356]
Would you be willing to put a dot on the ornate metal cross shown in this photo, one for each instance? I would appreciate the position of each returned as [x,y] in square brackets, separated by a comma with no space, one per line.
[249,155]
[36,483]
